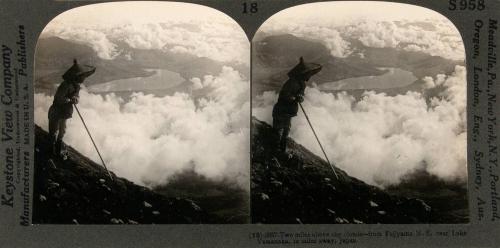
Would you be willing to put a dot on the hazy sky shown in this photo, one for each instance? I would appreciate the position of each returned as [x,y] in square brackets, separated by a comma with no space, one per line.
[371,10]
[179,27]
[149,11]
[138,12]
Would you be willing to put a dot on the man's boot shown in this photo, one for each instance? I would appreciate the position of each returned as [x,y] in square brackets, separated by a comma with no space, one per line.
[277,141]
[58,147]
[284,137]
[51,149]
[284,155]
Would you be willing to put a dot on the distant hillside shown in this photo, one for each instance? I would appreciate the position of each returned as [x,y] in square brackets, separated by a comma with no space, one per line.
[421,64]
[275,55]
[55,55]
[303,189]
[79,191]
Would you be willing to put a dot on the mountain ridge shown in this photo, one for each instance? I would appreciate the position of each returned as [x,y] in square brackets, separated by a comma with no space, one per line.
[273,60]
[54,55]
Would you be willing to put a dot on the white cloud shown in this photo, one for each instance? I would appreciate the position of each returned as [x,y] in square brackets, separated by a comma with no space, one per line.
[330,37]
[219,38]
[381,138]
[148,139]
[443,40]
[428,82]
[95,39]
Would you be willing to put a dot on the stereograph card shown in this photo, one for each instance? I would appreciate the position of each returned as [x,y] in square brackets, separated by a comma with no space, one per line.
[263,123]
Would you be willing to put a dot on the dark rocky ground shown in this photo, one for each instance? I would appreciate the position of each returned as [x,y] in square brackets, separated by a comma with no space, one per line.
[227,202]
[303,189]
[449,200]
[79,191]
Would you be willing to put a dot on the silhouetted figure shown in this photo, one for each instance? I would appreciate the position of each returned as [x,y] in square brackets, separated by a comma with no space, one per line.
[290,95]
[61,109]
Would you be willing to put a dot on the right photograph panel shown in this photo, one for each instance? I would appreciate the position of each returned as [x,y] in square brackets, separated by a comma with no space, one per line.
[358,116]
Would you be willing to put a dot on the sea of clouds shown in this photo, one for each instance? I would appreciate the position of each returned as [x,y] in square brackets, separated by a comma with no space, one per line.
[380,139]
[147,139]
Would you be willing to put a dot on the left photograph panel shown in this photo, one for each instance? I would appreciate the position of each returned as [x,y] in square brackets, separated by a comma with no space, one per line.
[142,113]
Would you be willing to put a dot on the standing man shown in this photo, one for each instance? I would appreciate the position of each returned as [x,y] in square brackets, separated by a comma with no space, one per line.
[291,94]
[61,109]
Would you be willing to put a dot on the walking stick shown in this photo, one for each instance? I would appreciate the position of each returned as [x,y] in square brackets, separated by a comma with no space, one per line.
[88,132]
[314,132]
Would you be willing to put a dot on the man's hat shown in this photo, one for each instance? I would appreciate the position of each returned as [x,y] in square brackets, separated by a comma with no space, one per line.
[78,71]
[304,69]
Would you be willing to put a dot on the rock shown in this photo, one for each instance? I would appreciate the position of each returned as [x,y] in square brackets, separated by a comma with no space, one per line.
[426,207]
[357,221]
[276,183]
[147,204]
[53,184]
[195,207]
[253,184]
[373,204]
[329,185]
[276,162]
[52,188]
[417,207]
[341,220]
[264,196]
[116,221]
[132,222]
[52,165]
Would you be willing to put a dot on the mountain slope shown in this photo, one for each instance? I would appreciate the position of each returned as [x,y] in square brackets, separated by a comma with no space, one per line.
[79,191]
[54,56]
[303,189]
[224,200]
[275,55]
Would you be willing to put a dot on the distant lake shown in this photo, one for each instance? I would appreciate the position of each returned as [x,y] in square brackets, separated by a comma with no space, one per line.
[160,80]
[394,77]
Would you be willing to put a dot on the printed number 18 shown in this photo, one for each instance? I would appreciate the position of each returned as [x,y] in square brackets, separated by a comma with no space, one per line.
[253,8]
[466,4]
